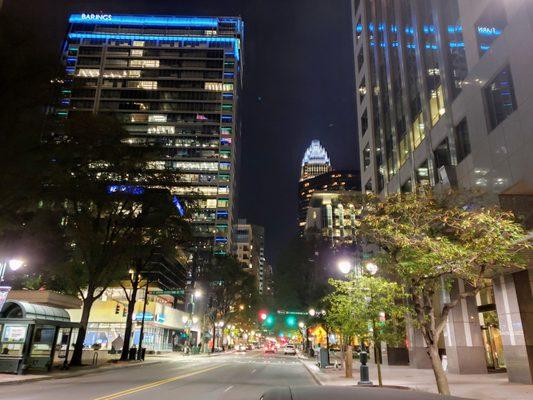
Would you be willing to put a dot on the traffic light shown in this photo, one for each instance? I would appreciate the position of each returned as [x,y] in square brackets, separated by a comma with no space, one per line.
[290,321]
[269,321]
[117,309]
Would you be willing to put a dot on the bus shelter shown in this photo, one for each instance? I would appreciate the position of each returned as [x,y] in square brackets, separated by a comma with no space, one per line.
[34,336]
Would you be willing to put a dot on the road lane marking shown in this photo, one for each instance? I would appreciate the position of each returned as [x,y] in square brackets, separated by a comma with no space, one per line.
[154,384]
[253,371]
[228,388]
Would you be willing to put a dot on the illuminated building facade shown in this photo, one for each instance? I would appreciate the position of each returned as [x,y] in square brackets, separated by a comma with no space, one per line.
[249,248]
[444,99]
[174,83]
[315,161]
[333,181]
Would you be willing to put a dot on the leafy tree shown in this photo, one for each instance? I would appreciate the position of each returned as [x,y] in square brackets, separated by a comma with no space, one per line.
[160,236]
[430,241]
[230,287]
[370,308]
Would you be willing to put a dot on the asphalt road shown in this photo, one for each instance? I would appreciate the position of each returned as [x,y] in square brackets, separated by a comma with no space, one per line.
[228,377]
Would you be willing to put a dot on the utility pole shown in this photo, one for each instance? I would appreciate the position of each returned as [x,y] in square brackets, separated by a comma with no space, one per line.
[141,335]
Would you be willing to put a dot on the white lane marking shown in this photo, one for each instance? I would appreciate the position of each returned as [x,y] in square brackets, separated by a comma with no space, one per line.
[253,371]
[228,388]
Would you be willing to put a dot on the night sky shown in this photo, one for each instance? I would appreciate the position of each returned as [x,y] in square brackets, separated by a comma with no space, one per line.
[298,86]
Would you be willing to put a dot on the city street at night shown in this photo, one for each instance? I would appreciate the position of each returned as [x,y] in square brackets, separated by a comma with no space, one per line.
[234,376]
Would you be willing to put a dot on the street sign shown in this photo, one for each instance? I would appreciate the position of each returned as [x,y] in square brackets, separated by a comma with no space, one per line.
[179,292]
[283,312]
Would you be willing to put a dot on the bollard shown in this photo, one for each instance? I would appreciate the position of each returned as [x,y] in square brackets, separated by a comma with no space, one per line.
[365,375]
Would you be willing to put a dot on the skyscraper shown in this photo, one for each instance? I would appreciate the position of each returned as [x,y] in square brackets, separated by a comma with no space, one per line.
[174,83]
[315,161]
[444,100]
[249,248]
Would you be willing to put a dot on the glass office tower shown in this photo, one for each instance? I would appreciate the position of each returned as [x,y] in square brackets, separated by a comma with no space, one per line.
[174,83]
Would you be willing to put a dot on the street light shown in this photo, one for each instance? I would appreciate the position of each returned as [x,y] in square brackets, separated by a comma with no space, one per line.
[371,268]
[312,312]
[345,266]
[14,264]
[301,324]
[197,293]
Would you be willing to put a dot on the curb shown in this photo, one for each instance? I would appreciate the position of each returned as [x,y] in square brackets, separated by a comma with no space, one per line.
[77,374]
[313,375]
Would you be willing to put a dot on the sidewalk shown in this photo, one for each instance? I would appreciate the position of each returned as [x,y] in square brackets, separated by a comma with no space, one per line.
[483,387]
[7,379]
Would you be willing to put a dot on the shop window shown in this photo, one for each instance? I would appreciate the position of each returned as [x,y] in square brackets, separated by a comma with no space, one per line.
[462,140]
[500,98]
[490,25]
[422,174]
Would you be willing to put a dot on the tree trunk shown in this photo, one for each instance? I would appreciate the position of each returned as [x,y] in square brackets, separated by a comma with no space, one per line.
[440,375]
[348,362]
[129,322]
[86,312]
[377,358]
[213,341]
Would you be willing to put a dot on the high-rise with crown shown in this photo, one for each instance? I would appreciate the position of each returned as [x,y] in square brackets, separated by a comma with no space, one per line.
[315,161]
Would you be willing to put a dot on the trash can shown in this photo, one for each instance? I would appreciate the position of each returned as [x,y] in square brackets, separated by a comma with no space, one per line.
[132,353]
[323,361]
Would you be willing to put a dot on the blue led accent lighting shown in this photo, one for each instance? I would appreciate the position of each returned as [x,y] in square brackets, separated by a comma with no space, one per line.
[484,47]
[454,45]
[222,214]
[381,27]
[394,28]
[359,28]
[371,27]
[409,30]
[488,31]
[196,22]
[227,95]
[411,46]
[455,28]
[104,36]
[179,206]
[135,190]
[220,239]
[227,118]
[72,59]
[431,46]
[429,29]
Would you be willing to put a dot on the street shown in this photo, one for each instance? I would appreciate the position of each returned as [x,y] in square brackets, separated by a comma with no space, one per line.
[229,376]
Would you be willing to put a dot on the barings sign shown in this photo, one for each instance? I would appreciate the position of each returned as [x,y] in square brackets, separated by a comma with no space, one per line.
[97,17]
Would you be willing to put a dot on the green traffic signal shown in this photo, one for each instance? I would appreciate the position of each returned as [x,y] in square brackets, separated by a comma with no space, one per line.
[269,320]
[290,321]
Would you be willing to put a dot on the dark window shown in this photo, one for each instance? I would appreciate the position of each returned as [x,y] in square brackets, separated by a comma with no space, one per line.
[462,140]
[360,59]
[500,98]
[456,46]
[366,157]
[364,122]
[442,156]
[490,25]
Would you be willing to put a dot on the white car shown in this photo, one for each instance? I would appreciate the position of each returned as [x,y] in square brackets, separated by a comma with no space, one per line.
[240,347]
[289,349]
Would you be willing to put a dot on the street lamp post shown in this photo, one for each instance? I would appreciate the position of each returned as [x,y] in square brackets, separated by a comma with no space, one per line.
[141,334]
[346,267]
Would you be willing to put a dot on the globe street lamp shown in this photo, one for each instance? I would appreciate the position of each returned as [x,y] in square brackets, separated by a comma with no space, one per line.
[312,312]
[371,268]
[345,266]
[13,264]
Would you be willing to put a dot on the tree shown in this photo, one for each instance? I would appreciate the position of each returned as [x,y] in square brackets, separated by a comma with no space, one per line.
[428,242]
[230,287]
[97,187]
[370,308]
[160,236]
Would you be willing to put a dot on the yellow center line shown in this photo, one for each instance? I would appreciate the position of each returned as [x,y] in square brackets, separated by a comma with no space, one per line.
[155,384]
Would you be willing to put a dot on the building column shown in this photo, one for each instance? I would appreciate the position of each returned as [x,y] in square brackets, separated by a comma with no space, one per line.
[465,349]
[514,303]
[418,355]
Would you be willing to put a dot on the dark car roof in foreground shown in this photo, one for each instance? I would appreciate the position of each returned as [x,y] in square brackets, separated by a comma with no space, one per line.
[349,393]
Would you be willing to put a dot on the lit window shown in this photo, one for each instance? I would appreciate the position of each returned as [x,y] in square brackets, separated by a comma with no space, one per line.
[161,130]
[137,53]
[138,43]
[147,85]
[223,190]
[218,87]
[157,118]
[122,73]
[88,72]
[211,203]
[418,130]
[159,165]
[223,203]
[144,63]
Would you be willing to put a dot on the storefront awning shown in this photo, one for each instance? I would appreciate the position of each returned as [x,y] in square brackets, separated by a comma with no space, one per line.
[24,310]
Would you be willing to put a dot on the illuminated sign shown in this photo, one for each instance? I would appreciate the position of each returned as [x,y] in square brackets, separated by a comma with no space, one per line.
[97,17]
[489,31]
